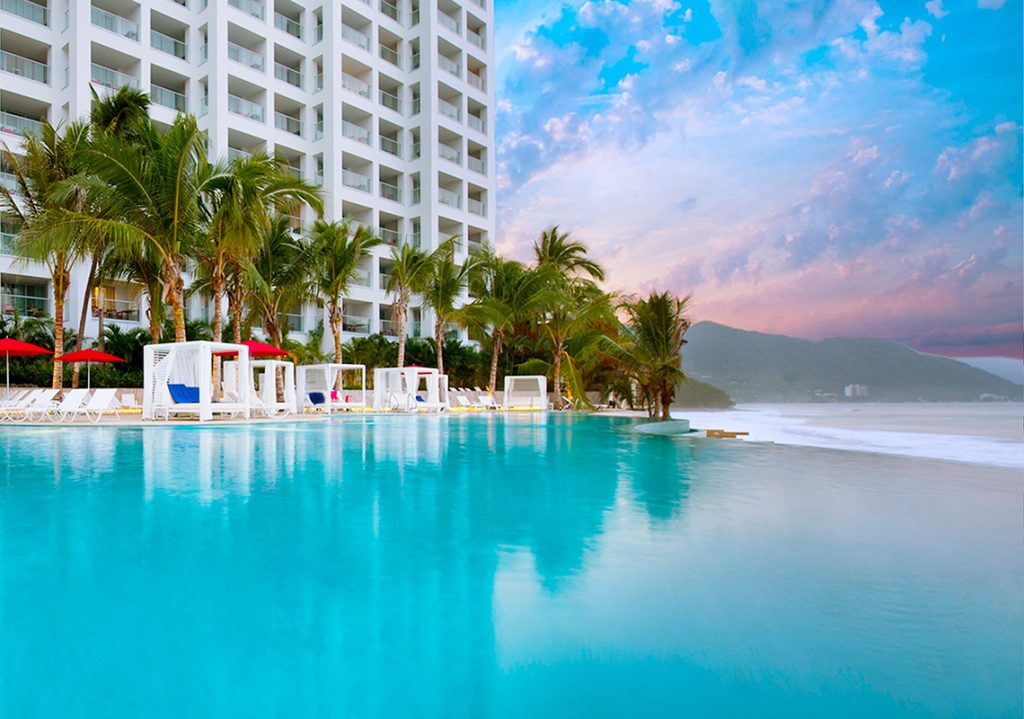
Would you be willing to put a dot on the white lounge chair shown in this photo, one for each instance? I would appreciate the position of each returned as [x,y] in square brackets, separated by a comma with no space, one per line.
[39,400]
[13,399]
[58,411]
[102,401]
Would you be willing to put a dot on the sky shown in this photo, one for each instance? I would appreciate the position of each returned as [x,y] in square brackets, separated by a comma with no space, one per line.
[811,168]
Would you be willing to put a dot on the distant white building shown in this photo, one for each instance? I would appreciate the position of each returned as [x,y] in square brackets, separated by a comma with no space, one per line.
[855,390]
[388,104]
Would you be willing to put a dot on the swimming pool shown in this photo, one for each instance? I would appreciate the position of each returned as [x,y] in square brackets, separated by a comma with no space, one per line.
[487,566]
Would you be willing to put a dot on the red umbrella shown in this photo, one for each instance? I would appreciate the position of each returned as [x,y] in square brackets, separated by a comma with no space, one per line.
[17,348]
[88,356]
[256,349]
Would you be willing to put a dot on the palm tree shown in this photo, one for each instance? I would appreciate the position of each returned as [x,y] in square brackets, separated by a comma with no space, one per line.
[443,289]
[653,337]
[151,196]
[506,294]
[338,251]
[556,249]
[49,160]
[278,276]
[410,270]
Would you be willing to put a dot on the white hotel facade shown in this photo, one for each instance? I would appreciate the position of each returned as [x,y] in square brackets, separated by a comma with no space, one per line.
[388,104]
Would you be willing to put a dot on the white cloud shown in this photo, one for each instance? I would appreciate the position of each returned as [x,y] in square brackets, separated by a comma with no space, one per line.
[935,9]
[991,4]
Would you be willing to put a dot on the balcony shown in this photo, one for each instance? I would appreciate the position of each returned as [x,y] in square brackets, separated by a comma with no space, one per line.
[476,80]
[390,146]
[236,154]
[355,180]
[253,7]
[361,278]
[245,56]
[354,84]
[116,309]
[450,198]
[288,74]
[388,328]
[28,10]
[476,38]
[449,110]
[450,153]
[391,10]
[8,239]
[390,192]
[115,23]
[391,101]
[355,37]
[108,77]
[477,207]
[318,129]
[246,108]
[355,324]
[388,237]
[168,44]
[415,65]
[292,27]
[24,67]
[391,56]
[167,98]
[449,65]
[477,123]
[354,132]
[288,123]
[292,321]
[24,305]
[476,165]
[449,22]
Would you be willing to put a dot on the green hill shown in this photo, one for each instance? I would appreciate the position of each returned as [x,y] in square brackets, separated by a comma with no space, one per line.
[694,393]
[757,367]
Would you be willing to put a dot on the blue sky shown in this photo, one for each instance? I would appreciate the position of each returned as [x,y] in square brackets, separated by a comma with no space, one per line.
[813,168]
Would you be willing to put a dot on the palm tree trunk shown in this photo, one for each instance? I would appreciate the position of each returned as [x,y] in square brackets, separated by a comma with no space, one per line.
[492,384]
[402,311]
[217,287]
[235,307]
[86,304]
[99,333]
[60,289]
[666,404]
[273,330]
[439,340]
[173,281]
[334,319]
[556,380]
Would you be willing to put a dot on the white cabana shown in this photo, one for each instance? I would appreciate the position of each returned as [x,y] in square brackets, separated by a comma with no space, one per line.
[323,379]
[264,388]
[526,392]
[177,378]
[409,389]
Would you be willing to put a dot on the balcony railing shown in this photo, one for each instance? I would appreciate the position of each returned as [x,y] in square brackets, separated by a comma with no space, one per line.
[108,77]
[476,38]
[248,108]
[390,100]
[391,56]
[115,23]
[292,27]
[388,328]
[253,7]
[450,198]
[449,22]
[354,132]
[414,18]
[354,84]
[168,44]
[355,324]
[288,123]
[318,33]
[416,150]
[476,81]
[318,82]
[415,196]
[415,61]
[390,192]
[292,321]
[355,37]
[8,240]
[167,98]
[24,67]
[318,129]
[236,154]
[477,207]
[116,309]
[476,165]
[449,153]
[391,10]
[288,74]
[28,10]
[390,146]
[361,278]
[24,305]
[449,65]
[245,56]
[477,123]
[480,4]
[389,237]
[415,110]
[448,109]
[355,180]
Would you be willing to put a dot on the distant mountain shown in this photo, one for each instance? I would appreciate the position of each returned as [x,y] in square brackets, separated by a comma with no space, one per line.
[1008,368]
[757,367]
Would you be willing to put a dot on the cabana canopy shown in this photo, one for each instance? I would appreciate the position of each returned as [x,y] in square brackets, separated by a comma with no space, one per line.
[526,392]
[178,379]
[410,388]
[322,379]
[265,386]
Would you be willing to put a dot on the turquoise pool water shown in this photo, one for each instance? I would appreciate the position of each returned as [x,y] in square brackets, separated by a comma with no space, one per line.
[486,567]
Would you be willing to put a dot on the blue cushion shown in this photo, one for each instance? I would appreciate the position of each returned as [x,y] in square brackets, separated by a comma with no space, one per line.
[420,399]
[183,394]
[317,398]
